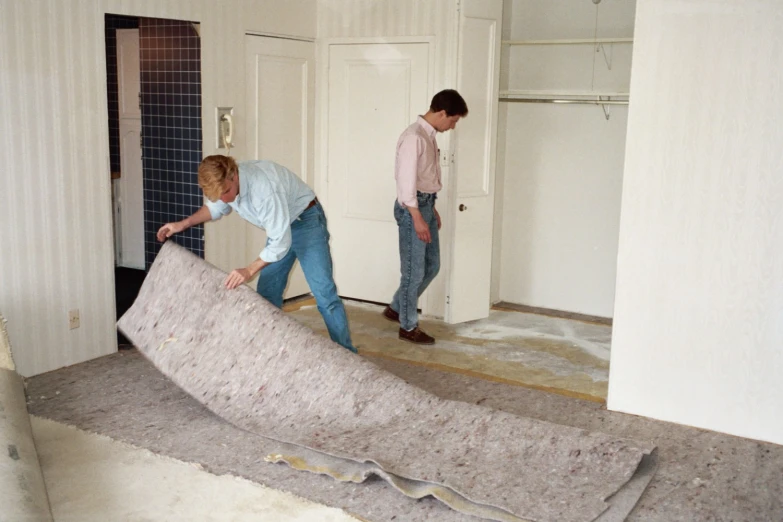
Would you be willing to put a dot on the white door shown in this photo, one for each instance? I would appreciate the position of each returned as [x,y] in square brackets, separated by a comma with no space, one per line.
[130,200]
[128,73]
[280,82]
[375,92]
[477,81]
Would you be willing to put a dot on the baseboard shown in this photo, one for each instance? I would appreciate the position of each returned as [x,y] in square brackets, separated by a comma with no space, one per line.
[503,305]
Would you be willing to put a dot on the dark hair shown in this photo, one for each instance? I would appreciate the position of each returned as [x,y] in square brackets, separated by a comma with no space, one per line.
[450,101]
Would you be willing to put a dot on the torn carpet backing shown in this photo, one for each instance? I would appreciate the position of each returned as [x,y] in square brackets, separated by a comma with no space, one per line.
[341,415]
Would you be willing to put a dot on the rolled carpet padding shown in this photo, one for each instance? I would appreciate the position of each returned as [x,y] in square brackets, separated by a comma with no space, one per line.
[23,494]
[249,363]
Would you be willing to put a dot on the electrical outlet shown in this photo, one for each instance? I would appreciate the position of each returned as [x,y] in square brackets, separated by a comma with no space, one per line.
[73,318]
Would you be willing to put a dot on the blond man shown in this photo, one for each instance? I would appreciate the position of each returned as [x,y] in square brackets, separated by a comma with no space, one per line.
[272,197]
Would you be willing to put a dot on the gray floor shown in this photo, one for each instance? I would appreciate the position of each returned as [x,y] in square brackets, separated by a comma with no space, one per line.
[702,475]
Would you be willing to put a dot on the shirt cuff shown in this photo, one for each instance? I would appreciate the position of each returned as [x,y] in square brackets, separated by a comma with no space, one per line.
[215,210]
[271,256]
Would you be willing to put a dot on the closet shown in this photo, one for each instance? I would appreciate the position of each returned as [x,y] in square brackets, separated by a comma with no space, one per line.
[564,94]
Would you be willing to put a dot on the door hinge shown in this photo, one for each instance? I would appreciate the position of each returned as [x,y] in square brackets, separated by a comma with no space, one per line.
[448,299]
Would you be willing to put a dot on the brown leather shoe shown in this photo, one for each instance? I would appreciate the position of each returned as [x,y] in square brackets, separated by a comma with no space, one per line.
[391,315]
[415,336]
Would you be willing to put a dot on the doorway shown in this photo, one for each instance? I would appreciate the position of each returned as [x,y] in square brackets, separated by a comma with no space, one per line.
[376,88]
[155,140]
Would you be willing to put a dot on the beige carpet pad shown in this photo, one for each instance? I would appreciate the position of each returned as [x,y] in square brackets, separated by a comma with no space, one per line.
[339,414]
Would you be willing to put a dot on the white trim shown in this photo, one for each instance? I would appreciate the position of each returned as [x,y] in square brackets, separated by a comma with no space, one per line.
[281,36]
[364,40]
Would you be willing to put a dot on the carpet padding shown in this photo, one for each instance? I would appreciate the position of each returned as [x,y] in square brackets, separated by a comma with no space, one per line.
[249,363]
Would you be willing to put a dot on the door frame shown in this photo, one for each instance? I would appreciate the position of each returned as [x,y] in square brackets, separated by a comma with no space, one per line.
[321,152]
[281,36]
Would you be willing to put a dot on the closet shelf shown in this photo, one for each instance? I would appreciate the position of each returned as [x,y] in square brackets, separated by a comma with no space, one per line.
[594,97]
[578,41]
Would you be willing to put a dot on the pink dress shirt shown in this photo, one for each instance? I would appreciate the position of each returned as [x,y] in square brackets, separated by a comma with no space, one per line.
[416,166]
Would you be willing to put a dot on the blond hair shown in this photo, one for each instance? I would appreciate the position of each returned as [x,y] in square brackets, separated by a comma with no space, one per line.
[213,174]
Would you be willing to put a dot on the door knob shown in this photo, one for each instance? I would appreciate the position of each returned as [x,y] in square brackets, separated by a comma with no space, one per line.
[462,207]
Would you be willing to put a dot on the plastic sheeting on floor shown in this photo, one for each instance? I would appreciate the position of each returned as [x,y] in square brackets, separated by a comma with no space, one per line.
[343,416]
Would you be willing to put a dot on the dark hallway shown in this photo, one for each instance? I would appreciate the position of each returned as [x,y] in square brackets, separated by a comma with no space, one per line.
[127,283]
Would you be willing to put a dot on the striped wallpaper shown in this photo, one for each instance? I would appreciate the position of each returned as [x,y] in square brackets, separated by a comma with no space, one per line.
[56,249]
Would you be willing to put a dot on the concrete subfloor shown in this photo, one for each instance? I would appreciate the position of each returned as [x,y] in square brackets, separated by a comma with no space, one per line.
[701,476]
[564,356]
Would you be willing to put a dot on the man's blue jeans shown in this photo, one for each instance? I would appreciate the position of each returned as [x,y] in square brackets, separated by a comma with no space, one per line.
[419,261]
[310,244]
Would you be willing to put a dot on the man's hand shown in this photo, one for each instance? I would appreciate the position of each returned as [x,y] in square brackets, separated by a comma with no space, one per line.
[202,215]
[421,227]
[169,229]
[237,277]
[437,216]
[241,276]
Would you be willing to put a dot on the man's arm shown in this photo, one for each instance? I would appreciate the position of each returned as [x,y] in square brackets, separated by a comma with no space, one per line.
[406,171]
[277,223]
[202,215]
[406,166]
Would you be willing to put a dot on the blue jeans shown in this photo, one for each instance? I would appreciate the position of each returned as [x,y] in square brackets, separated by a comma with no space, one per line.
[419,261]
[310,244]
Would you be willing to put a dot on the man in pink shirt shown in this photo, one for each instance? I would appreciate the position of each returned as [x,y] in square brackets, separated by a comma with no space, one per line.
[417,171]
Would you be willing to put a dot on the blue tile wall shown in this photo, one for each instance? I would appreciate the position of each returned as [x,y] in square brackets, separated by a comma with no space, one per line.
[112,23]
[171,129]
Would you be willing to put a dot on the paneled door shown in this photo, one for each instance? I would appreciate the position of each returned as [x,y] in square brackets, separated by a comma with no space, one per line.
[280,78]
[477,80]
[130,193]
[375,92]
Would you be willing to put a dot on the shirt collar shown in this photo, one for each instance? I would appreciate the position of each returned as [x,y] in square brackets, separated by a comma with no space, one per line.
[243,185]
[426,126]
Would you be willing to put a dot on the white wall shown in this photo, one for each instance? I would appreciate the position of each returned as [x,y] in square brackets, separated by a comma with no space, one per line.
[56,248]
[560,166]
[698,329]
[347,19]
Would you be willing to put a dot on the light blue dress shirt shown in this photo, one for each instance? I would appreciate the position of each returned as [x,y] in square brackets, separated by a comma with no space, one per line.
[270,197]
